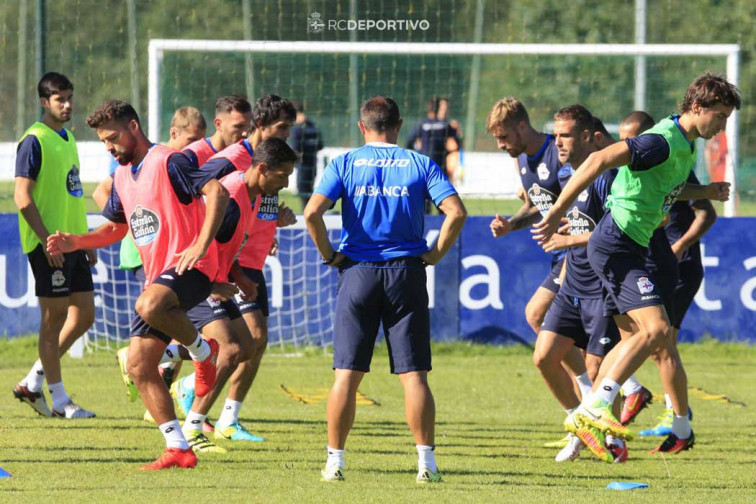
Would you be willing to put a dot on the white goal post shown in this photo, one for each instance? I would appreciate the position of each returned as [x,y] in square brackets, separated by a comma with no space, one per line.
[158,47]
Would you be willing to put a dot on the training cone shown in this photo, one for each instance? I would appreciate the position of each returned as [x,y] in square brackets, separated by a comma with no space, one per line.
[625,485]
[4,473]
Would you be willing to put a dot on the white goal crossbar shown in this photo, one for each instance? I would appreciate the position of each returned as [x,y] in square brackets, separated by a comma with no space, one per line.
[157,48]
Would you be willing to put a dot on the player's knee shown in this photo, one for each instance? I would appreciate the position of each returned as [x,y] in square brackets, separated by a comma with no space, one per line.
[147,307]
[53,320]
[657,334]
[86,319]
[139,371]
[230,355]
[534,317]
[544,360]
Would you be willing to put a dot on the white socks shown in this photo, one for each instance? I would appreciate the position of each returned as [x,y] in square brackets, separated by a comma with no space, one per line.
[426,458]
[199,350]
[681,426]
[585,385]
[607,390]
[631,386]
[171,354]
[229,415]
[335,459]
[194,421]
[59,396]
[35,378]
[174,437]
[668,401]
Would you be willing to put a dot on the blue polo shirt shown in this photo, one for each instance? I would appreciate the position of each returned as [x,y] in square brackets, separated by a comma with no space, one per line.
[383,189]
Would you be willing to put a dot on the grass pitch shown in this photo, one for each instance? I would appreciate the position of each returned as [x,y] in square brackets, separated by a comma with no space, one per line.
[494,414]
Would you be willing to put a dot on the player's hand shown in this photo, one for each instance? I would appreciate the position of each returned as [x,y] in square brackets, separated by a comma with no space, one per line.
[544,229]
[500,226]
[286,216]
[91,257]
[58,244]
[337,260]
[189,257]
[556,242]
[223,290]
[678,250]
[430,258]
[718,191]
[247,287]
[273,247]
[564,226]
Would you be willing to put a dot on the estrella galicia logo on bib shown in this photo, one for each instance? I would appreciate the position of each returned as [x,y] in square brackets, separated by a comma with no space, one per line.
[268,208]
[144,225]
[672,197]
[542,199]
[580,223]
[73,182]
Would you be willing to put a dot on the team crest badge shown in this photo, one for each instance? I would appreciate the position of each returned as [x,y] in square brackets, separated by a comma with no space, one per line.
[583,197]
[58,278]
[645,285]
[543,171]
[575,212]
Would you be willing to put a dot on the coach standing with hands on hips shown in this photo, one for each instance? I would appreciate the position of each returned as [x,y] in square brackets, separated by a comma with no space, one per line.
[381,262]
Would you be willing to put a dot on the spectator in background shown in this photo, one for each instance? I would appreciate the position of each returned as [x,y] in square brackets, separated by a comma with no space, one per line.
[435,136]
[715,154]
[306,140]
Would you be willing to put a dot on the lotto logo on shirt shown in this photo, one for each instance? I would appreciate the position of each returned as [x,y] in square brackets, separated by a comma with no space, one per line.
[144,225]
[382,163]
[268,208]
[73,182]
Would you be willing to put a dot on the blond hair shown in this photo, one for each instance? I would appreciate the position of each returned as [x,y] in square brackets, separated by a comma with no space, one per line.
[506,110]
[188,116]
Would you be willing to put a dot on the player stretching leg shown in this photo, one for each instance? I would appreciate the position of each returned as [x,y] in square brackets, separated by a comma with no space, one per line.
[157,196]
[652,175]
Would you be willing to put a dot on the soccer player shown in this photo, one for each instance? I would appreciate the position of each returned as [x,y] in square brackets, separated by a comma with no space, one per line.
[50,198]
[233,116]
[381,261]
[307,141]
[187,125]
[576,317]
[601,136]
[537,160]
[158,195]
[273,117]
[653,171]
[431,136]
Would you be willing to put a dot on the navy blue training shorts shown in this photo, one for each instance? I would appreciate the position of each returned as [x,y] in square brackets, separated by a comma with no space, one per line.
[261,303]
[191,288]
[582,320]
[212,309]
[390,292]
[551,282]
[620,264]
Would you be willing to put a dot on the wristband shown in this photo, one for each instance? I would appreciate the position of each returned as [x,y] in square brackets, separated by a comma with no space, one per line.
[329,261]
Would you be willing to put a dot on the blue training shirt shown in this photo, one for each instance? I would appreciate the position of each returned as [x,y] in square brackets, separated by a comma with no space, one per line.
[383,189]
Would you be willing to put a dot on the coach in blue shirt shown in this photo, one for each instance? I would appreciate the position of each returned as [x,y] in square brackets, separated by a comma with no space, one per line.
[381,261]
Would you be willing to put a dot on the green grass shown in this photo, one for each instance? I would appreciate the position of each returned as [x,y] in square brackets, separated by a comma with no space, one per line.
[494,413]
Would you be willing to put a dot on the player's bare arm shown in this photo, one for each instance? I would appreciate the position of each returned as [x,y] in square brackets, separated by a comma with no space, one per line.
[717,191]
[313,215]
[705,215]
[216,199]
[22,195]
[107,234]
[614,156]
[456,214]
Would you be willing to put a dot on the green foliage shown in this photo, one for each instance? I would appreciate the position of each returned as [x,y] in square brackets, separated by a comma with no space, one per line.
[493,410]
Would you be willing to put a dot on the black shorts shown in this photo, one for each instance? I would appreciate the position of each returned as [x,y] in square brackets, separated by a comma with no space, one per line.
[191,288]
[552,282]
[212,309]
[261,303]
[74,276]
[688,283]
[620,264]
[582,320]
[391,292]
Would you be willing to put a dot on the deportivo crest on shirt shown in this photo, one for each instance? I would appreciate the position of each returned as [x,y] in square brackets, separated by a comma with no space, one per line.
[542,171]
[144,225]
[645,285]
[583,196]
[214,303]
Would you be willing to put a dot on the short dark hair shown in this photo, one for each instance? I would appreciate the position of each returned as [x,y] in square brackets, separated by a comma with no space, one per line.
[581,115]
[708,89]
[274,152]
[229,103]
[53,83]
[434,103]
[270,108]
[643,119]
[380,113]
[112,110]
[598,126]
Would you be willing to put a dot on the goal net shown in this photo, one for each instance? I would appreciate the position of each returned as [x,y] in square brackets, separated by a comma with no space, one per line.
[301,293]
